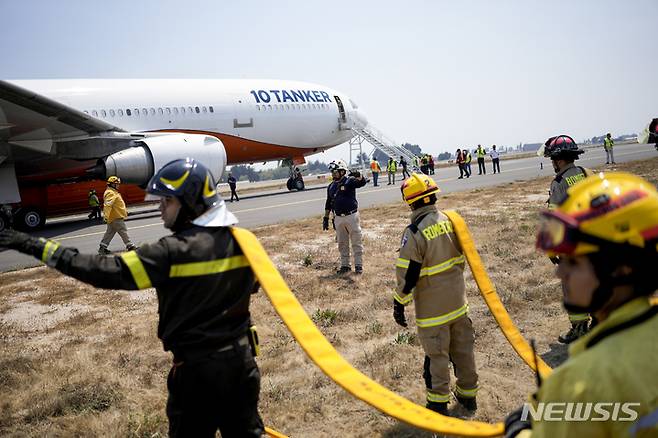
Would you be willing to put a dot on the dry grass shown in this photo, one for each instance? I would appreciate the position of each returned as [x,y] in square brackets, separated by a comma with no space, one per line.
[79,361]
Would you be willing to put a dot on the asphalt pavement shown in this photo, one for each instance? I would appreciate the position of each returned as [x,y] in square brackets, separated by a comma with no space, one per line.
[271,207]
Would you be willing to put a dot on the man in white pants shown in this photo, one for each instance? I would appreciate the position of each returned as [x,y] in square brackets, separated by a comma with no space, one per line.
[341,199]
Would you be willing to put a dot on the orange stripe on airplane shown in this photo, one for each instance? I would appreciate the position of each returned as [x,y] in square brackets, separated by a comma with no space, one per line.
[243,150]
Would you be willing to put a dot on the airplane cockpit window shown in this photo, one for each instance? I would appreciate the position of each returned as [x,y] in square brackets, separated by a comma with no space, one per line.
[196,108]
[103,113]
[94,113]
[128,113]
[211,109]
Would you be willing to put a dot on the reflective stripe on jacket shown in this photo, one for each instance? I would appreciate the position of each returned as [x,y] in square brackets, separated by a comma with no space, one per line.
[439,290]
[113,206]
[202,279]
[392,166]
[93,200]
[619,368]
[564,179]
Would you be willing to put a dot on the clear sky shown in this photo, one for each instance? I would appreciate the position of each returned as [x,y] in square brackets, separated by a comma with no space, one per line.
[437,73]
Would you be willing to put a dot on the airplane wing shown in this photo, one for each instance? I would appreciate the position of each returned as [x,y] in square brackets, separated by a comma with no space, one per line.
[33,126]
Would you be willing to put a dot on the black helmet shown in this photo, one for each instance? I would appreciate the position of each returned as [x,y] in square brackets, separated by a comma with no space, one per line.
[189,181]
[562,147]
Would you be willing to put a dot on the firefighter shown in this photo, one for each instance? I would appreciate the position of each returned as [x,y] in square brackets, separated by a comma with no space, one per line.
[341,200]
[203,283]
[605,235]
[114,212]
[430,271]
[563,151]
[94,204]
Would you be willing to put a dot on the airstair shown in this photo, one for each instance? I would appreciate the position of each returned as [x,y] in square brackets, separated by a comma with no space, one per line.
[377,139]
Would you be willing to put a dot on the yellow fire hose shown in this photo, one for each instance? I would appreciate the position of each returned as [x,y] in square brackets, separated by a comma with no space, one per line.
[492,299]
[323,354]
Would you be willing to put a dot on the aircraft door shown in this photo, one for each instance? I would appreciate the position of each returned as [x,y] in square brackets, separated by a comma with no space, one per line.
[243,121]
[341,109]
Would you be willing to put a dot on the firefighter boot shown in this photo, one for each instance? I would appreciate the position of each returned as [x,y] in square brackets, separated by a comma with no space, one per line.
[102,250]
[577,330]
[470,403]
[358,269]
[439,407]
[343,270]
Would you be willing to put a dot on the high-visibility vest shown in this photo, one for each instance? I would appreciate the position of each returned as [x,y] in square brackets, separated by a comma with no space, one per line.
[608,143]
[374,166]
[392,166]
[481,153]
[468,158]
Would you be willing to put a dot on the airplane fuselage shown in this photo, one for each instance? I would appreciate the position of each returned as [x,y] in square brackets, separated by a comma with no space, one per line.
[257,120]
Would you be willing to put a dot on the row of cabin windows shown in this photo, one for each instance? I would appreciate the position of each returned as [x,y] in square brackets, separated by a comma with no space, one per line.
[152,111]
[291,106]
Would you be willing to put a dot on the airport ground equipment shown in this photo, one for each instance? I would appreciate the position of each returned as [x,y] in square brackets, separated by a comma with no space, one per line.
[379,141]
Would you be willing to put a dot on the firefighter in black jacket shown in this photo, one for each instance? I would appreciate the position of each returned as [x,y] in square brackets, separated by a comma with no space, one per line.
[203,282]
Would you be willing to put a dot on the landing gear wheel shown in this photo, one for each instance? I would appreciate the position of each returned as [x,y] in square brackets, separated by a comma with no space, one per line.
[29,219]
[290,184]
[299,184]
[4,223]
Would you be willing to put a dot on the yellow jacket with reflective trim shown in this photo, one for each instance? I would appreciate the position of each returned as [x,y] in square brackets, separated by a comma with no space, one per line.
[113,206]
[439,292]
[621,367]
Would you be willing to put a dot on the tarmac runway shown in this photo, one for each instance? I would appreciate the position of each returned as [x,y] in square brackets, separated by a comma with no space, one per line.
[271,207]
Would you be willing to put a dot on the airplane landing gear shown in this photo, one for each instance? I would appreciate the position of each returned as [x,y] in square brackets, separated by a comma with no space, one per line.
[5,217]
[295,181]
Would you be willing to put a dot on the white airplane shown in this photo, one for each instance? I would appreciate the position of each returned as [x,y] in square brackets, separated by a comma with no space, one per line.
[68,131]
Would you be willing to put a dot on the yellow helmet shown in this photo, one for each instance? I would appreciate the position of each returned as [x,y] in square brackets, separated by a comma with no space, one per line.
[418,186]
[608,210]
[114,180]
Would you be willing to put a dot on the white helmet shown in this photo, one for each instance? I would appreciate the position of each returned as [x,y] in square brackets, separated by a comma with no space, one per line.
[338,165]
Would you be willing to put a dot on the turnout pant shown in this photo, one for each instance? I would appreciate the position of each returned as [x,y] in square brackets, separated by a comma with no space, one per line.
[481,168]
[219,391]
[114,227]
[451,342]
[348,228]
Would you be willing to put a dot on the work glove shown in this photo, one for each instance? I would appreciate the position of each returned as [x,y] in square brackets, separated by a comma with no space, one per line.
[325,223]
[398,314]
[514,424]
[14,239]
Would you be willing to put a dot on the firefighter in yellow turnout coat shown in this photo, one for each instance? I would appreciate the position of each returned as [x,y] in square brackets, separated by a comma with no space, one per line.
[606,234]
[430,272]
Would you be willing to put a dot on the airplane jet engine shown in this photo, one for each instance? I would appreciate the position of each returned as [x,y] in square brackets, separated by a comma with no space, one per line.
[138,164]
